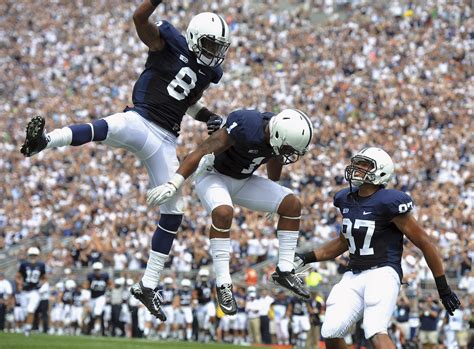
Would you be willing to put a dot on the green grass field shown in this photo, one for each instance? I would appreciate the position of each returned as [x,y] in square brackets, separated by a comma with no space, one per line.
[19,341]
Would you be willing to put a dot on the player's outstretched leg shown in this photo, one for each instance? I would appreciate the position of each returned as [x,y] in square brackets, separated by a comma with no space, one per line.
[288,229]
[220,251]
[37,139]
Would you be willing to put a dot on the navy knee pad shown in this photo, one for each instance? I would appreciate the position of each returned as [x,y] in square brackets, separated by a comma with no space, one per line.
[85,133]
[170,222]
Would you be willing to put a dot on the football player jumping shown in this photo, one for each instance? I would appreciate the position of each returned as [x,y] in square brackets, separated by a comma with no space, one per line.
[374,222]
[177,71]
[250,139]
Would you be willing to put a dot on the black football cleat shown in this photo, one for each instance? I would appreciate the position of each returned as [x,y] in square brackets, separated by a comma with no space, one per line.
[150,299]
[35,140]
[290,281]
[226,299]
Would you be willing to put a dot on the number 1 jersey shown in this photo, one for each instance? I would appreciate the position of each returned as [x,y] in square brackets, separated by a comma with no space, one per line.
[250,150]
[172,81]
[373,239]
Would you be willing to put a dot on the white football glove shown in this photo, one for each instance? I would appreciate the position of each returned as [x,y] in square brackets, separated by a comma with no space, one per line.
[163,193]
[207,161]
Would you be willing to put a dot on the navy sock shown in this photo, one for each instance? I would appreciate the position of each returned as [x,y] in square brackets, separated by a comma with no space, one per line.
[85,133]
[165,233]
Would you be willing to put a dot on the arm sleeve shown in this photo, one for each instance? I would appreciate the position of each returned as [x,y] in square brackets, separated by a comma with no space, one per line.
[398,203]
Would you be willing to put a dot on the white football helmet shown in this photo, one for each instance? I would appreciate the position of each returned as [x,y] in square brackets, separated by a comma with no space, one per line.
[204,273]
[291,131]
[168,280]
[33,251]
[379,173]
[186,283]
[208,36]
[70,285]
[97,266]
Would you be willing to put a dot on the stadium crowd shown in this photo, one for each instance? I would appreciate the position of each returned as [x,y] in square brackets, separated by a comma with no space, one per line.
[399,77]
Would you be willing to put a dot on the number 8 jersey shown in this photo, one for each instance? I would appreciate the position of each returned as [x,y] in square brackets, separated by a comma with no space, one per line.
[172,81]
[373,239]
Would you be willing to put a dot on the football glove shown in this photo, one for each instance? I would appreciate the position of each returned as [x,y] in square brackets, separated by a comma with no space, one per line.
[448,297]
[214,123]
[206,163]
[163,193]
[302,259]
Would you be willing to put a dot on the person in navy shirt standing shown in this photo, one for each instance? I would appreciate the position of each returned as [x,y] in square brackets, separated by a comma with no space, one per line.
[99,283]
[375,220]
[177,71]
[30,277]
[251,138]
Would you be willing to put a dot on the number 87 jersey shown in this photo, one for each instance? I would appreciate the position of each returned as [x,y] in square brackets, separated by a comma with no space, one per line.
[172,81]
[373,239]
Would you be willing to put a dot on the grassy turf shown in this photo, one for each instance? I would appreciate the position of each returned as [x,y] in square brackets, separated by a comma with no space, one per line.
[37,341]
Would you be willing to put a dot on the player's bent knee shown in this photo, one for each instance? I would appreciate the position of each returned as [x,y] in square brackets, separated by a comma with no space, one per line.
[170,222]
[290,206]
[222,216]
[332,330]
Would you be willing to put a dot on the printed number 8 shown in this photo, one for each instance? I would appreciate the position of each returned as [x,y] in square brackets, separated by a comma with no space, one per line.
[179,81]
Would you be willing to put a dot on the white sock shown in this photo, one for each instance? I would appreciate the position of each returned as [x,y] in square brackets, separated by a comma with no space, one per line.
[189,333]
[59,137]
[286,251]
[155,265]
[220,252]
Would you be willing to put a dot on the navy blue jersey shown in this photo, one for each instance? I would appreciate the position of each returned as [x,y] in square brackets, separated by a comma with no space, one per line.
[32,273]
[240,300]
[68,297]
[168,295]
[185,297]
[77,298]
[204,292]
[373,239]
[98,284]
[279,308]
[246,128]
[172,81]
[299,308]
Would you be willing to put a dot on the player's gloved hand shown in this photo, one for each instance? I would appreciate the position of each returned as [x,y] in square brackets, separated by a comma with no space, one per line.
[214,123]
[163,193]
[206,163]
[302,259]
[448,297]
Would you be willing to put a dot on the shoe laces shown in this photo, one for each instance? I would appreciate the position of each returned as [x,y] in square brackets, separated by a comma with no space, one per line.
[157,298]
[226,293]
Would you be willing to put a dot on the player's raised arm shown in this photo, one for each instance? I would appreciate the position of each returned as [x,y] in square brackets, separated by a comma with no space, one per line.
[409,226]
[147,31]
[215,144]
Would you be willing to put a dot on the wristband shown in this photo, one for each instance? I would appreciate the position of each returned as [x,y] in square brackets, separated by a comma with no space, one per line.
[204,114]
[442,285]
[309,257]
[177,180]
[155,2]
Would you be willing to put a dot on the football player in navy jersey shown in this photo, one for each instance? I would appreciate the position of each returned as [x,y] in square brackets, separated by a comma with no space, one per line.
[30,277]
[177,71]
[250,139]
[206,311]
[183,307]
[375,219]
[99,283]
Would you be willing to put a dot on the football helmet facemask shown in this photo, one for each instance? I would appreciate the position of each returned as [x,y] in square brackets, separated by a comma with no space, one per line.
[208,36]
[370,165]
[291,131]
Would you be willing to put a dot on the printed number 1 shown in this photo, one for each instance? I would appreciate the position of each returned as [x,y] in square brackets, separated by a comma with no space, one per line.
[184,86]
[366,250]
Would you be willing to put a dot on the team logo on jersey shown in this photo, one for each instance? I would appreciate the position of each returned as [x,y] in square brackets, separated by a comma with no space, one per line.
[253,151]
[184,59]
[345,210]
